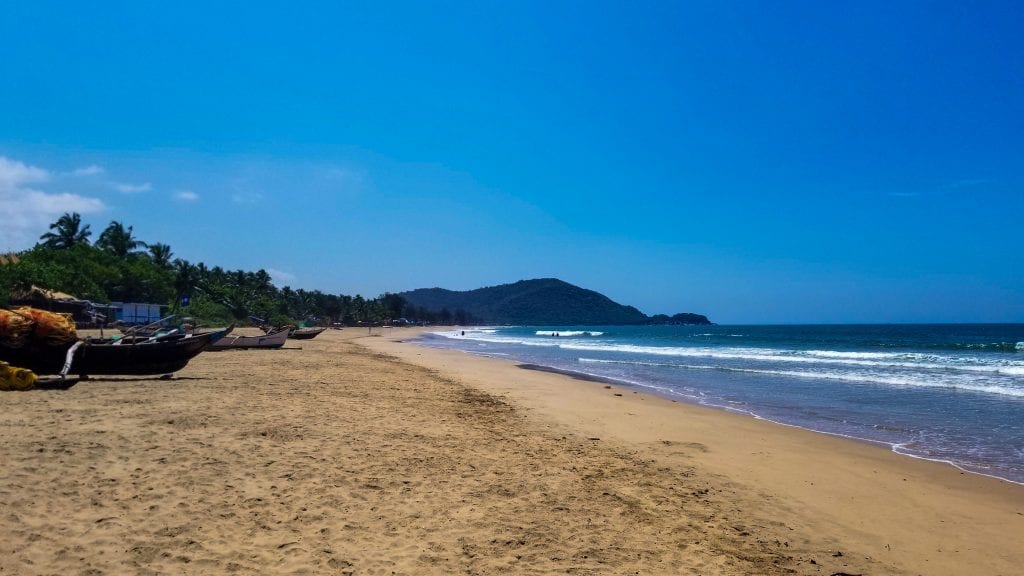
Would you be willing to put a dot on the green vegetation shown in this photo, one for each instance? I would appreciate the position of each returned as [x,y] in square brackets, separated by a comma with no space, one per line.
[683,318]
[122,268]
[546,301]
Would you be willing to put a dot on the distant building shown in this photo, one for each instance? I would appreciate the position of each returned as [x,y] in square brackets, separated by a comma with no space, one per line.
[136,313]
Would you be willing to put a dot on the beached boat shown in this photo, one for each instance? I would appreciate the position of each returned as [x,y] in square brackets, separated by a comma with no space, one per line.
[272,340]
[294,332]
[305,333]
[107,356]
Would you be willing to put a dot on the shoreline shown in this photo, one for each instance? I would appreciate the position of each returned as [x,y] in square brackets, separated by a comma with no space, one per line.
[866,491]
[583,376]
[1000,470]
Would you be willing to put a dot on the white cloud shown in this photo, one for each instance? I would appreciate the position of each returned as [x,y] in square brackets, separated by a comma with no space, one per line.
[280,276]
[90,170]
[132,188]
[186,196]
[59,203]
[28,211]
[14,174]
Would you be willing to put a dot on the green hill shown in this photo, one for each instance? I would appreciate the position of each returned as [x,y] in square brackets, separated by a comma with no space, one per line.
[546,301]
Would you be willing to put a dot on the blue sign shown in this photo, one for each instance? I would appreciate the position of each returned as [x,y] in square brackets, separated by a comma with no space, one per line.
[184,299]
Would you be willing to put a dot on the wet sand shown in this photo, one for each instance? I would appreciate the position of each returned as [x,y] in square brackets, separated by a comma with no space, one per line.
[350,454]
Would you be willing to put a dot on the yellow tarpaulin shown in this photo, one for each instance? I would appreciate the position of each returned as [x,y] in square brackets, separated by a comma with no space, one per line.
[12,378]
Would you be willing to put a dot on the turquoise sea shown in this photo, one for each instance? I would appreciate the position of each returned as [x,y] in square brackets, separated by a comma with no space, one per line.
[951,393]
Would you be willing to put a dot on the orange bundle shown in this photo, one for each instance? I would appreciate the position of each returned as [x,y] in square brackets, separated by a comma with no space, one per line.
[52,328]
[14,329]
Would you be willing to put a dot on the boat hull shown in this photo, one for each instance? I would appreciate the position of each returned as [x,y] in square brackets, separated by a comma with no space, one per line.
[272,340]
[305,333]
[98,357]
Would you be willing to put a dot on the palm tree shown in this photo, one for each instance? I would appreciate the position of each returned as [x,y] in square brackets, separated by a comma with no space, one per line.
[161,255]
[393,304]
[118,240]
[263,282]
[186,278]
[70,232]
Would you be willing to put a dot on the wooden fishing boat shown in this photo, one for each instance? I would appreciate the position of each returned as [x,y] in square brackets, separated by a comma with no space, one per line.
[271,340]
[107,356]
[306,333]
[294,332]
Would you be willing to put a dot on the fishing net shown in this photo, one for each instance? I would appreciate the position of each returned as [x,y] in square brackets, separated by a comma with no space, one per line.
[52,328]
[12,378]
[15,329]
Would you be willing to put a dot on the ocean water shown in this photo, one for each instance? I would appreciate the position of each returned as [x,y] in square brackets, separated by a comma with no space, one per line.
[951,393]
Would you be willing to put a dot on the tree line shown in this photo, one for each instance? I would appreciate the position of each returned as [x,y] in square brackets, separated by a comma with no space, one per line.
[118,267]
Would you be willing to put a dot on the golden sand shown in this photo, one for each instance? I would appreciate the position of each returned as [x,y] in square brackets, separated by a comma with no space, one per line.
[350,454]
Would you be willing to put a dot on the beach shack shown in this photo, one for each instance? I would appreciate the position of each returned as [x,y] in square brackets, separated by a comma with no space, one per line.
[137,313]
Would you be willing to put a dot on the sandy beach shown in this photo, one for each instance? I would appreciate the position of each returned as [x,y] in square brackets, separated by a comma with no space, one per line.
[357,454]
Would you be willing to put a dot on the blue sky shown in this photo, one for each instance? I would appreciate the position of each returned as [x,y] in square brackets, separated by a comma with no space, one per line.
[755,162]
